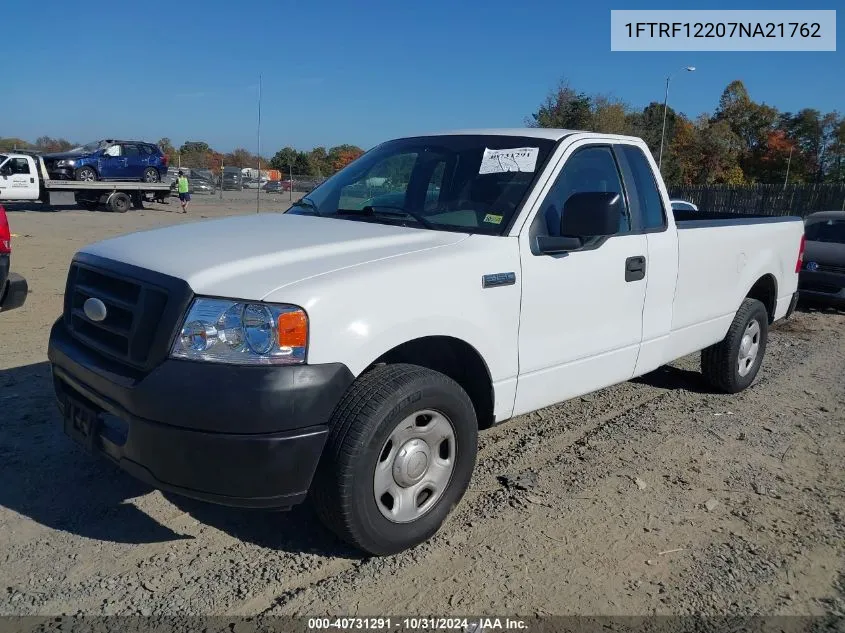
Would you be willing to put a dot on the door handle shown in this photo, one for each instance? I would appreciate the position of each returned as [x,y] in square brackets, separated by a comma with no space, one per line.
[635,268]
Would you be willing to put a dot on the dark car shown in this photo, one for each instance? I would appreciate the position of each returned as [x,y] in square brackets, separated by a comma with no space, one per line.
[196,184]
[273,186]
[822,276]
[13,288]
[109,160]
[232,181]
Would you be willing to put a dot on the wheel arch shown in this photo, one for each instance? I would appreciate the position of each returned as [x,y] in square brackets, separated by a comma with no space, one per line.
[765,290]
[454,358]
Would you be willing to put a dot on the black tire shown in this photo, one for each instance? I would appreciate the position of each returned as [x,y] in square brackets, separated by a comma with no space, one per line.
[151,175]
[372,408]
[120,203]
[85,174]
[720,363]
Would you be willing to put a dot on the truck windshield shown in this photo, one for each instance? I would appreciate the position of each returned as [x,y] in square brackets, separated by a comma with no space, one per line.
[465,183]
[826,231]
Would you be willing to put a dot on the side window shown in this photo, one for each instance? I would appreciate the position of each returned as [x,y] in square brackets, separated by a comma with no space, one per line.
[112,150]
[435,184]
[648,195]
[131,151]
[588,169]
[19,166]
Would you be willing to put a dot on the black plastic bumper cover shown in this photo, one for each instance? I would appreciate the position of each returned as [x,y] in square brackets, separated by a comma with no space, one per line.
[234,435]
[14,294]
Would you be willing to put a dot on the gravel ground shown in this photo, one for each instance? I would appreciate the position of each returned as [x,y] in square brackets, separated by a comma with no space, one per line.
[655,496]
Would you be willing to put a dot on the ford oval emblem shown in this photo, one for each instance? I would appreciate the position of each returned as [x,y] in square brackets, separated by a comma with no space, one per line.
[94,309]
[812,266]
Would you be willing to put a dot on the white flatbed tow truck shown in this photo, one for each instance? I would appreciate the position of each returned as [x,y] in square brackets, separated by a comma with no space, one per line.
[23,176]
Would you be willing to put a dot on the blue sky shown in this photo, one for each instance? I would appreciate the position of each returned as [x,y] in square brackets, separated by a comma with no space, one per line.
[359,72]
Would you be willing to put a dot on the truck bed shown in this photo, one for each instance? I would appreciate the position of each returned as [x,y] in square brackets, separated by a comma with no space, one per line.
[697,219]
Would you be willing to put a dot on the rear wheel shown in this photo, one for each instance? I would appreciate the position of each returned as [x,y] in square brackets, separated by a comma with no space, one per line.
[400,454]
[85,174]
[120,203]
[151,175]
[732,364]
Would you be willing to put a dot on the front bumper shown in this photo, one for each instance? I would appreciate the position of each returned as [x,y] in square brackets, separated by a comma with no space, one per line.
[13,294]
[61,173]
[822,287]
[233,435]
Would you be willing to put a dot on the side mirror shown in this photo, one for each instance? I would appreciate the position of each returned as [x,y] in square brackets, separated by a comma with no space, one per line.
[591,214]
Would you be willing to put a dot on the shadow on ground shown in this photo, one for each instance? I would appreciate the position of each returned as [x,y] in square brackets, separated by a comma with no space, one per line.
[48,478]
[668,377]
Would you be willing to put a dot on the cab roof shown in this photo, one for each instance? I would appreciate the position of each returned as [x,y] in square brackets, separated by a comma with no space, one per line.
[553,134]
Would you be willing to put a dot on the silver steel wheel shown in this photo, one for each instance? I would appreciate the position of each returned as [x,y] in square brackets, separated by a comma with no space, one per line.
[415,466]
[748,348]
[87,175]
[150,176]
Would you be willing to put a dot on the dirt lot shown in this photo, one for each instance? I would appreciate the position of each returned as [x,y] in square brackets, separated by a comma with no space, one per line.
[654,496]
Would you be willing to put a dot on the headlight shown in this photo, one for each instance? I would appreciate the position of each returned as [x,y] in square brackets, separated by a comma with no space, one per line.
[254,333]
[66,163]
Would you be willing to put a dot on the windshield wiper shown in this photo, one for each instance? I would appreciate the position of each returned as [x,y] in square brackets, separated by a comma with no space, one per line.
[305,203]
[388,212]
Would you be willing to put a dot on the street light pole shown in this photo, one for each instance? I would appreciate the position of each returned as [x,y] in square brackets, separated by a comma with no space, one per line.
[665,107]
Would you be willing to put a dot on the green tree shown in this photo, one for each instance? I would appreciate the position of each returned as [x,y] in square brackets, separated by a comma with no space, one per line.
[240,157]
[564,108]
[13,142]
[283,159]
[318,161]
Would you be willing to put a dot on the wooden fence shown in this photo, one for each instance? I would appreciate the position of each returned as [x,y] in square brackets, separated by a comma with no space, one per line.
[798,200]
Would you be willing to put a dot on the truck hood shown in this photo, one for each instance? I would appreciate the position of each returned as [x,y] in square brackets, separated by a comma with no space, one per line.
[62,155]
[248,257]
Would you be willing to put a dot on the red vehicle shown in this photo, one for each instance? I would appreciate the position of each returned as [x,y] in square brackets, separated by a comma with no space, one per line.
[13,287]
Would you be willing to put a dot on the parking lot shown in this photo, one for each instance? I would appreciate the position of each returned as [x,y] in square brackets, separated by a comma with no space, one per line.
[653,496]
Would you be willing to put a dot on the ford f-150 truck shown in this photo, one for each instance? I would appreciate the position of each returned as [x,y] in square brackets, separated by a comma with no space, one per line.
[350,349]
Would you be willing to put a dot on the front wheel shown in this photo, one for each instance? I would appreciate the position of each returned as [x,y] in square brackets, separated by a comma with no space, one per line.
[85,174]
[400,454]
[732,364]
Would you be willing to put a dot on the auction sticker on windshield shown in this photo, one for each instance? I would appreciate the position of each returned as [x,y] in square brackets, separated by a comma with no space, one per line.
[497,161]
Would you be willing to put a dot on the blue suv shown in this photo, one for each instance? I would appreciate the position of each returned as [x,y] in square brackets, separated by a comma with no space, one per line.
[109,160]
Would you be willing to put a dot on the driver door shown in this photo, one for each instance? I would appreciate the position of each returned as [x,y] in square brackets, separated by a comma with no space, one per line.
[112,163]
[582,311]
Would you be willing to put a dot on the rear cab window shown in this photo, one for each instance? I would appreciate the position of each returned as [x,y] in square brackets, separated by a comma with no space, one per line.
[831,231]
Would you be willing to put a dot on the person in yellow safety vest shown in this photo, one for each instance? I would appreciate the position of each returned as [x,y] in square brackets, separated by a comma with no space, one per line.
[184,191]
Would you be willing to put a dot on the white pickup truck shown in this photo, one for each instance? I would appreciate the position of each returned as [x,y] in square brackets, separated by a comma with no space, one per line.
[352,347]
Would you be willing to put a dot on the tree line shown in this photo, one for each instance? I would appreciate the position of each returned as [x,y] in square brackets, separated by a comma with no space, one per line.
[741,142]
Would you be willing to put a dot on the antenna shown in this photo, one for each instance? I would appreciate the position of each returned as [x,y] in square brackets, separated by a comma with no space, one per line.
[258,153]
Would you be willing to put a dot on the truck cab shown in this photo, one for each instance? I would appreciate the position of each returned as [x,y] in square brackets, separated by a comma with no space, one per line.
[352,348]
[18,177]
